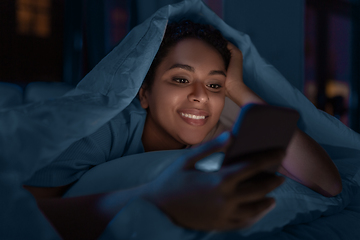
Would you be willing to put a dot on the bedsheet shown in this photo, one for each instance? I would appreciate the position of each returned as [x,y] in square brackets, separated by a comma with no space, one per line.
[343,225]
[32,135]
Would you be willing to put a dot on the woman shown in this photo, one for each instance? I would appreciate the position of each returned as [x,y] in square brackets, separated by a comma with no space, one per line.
[205,76]
[184,94]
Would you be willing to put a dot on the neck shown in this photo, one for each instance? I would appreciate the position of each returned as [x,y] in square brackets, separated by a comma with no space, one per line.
[156,139]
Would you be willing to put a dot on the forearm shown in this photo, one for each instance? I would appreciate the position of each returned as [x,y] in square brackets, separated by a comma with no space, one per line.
[306,161]
[86,217]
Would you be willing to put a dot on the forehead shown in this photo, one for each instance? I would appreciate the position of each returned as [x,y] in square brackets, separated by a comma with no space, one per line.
[195,52]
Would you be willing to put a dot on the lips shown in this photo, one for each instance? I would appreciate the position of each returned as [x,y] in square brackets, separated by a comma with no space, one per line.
[188,116]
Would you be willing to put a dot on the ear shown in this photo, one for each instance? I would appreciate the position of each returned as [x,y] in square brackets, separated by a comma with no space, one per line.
[143,97]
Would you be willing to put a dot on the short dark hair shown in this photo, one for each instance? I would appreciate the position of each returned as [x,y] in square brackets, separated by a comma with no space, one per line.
[178,31]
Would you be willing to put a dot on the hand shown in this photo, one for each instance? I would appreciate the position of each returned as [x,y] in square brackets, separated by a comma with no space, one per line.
[232,198]
[235,88]
[234,75]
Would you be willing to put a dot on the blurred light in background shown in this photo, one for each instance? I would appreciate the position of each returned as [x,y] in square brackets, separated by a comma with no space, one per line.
[33,17]
[328,44]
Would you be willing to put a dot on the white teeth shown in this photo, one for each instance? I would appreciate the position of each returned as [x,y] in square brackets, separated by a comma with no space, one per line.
[192,116]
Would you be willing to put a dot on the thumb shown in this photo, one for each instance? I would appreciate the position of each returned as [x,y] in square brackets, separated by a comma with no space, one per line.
[215,145]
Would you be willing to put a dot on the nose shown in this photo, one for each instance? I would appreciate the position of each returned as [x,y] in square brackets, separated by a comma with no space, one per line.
[198,93]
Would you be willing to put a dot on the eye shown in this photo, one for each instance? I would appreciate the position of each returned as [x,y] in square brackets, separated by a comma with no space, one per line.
[214,86]
[180,80]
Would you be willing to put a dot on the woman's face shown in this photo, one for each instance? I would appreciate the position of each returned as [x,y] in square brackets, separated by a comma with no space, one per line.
[187,95]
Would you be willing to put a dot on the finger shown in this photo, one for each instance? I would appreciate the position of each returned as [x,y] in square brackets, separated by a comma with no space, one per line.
[256,188]
[235,51]
[216,145]
[230,46]
[248,214]
[250,166]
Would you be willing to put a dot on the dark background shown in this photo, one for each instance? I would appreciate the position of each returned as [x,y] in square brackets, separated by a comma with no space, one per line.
[51,41]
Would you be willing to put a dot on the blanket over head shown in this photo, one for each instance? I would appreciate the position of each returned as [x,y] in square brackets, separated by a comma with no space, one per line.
[33,135]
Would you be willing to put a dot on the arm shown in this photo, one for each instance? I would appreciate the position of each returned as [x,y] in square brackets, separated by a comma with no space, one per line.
[85,217]
[305,161]
[308,163]
[233,197]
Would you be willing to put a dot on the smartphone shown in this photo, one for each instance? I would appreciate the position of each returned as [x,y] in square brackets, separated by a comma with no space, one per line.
[259,128]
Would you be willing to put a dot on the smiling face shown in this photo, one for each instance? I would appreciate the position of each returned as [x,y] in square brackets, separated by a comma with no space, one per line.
[186,98]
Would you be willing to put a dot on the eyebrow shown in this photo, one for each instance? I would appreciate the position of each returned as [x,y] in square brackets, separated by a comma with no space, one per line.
[191,69]
[183,66]
[217,72]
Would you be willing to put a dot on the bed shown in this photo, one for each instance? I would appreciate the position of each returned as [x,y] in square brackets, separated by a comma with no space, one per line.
[41,130]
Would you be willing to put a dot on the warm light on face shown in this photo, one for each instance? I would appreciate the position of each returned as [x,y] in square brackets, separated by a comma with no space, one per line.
[187,96]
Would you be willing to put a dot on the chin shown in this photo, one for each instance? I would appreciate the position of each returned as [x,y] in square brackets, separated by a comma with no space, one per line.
[192,138]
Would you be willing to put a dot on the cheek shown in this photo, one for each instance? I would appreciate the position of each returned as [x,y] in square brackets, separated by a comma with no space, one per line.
[217,104]
[167,99]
